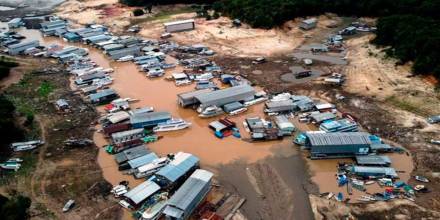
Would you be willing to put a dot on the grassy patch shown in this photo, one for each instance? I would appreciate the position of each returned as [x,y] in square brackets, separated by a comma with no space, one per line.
[162,15]
[45,89]
[405,104]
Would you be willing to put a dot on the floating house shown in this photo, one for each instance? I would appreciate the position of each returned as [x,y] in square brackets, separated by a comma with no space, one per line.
[131,154]
[148,119]
[342,125]
[373,160]
[366,172]
[321,117]
[337,145]
[15,49]
[129,51]
[15,23]
[284,125]
[103,97]
[280,106]
[224,96]
[124,136]
[178,168]
[189,195]
[141,192]
[71,37]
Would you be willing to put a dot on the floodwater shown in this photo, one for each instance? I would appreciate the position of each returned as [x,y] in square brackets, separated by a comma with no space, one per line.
[162,95]
[323,172]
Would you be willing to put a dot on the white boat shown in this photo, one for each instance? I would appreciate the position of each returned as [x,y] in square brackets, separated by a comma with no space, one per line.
[25,147]
[172,125]
[69,204]
[183,82]
[14,160]
[126,58]
[151,168]
[211,111]
[10,166]
[238,111]
[155,211]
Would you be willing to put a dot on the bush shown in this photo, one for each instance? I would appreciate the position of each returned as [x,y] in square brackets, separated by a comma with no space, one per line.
[15,208]
[138,12]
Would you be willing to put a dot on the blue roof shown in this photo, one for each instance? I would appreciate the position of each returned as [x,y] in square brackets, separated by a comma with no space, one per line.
[178,167]
[71,35]
[140,161]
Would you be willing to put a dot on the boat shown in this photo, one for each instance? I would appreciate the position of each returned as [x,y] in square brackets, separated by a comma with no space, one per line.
[369,182]
[155,211]
[151,168]
[14,160]
[125,58]
[421,179]
[330,195]
[339,197]
[69,204]
[25,147]
[211,111]
[238,111]
[10,166]
[183,82]
[172,125]
[246,126]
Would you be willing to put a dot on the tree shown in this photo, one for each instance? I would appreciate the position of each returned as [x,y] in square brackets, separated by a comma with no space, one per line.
[138,12]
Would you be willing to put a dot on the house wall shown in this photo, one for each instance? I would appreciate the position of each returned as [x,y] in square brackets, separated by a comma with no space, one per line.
[180,27]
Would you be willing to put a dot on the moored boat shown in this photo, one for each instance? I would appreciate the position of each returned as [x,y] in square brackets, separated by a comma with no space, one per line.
[172,125]
[211,111]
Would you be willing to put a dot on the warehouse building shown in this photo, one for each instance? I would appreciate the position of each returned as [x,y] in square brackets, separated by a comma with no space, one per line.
[373,160]
[189,195]
[133,51]
[148,119]
[367,172]
[141,192]
[15,49]
[337,145]
[177,26]
[50,27]
[96,39]
[225,96]
[177,169]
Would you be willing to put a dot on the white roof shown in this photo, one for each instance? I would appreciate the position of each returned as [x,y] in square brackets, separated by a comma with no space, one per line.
[324,106]
[179,22]
[118,117]
[179,76]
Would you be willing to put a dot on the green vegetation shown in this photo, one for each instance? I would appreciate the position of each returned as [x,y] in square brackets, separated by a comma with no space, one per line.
[162,2]
[45,89]
[162,15]
[407,105]
[15,208]
[138,12]
[6,64]
[10,132]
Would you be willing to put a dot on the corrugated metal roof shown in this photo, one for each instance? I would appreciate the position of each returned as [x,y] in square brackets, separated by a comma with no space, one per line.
[132,50]
[112,46]
[338,138]
[140,161]
[142,191]
[373,160]
[179,166]
[149,116]
[388,171]
[127,133]
[103,93]
[320,117]
[224,93]
[179,22]
[195,185]
[192,94]
[131,154]
[281,103]
[22,44]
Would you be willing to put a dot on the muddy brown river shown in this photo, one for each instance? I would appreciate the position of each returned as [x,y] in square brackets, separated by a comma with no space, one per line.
[200,140]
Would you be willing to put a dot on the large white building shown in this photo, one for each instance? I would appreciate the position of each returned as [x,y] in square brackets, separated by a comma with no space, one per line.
[177,26]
